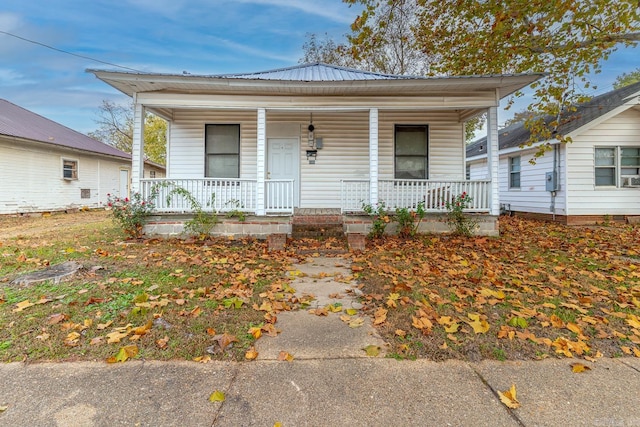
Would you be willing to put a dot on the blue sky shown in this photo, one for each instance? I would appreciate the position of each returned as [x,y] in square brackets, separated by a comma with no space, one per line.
[168,36]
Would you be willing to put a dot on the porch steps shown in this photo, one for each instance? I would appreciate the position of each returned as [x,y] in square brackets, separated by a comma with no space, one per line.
[317,223]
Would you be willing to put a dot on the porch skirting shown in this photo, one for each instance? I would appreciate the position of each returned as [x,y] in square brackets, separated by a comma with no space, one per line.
[172,225]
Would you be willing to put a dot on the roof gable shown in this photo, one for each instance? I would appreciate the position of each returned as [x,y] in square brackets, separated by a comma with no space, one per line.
[18,122]
[516,134]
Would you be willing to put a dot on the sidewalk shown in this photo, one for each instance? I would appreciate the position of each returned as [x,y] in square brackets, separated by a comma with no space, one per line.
[353,392]
[330,382]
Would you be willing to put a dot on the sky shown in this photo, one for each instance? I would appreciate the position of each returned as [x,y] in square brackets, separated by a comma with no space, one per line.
[164,36]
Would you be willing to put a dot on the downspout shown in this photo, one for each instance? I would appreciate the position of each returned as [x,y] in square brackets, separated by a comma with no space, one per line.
[555,177]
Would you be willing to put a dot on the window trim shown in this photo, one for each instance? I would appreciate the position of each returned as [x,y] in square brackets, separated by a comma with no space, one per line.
[617,166]
[426,154]
[513,172]
[238,154]
[74,171]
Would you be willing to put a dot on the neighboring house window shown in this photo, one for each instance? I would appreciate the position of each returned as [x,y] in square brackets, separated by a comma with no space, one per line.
[514,172]
[69,169]
[152,174]
[617,166]
[411,152]
[630,166]
[222,151]
[467,172]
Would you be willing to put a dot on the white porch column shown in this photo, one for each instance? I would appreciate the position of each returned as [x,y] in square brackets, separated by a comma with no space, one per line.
[373,156]
[137,148]
[261,162]
[493,159]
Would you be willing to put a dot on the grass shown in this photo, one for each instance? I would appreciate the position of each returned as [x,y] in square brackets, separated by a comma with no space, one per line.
[200,291]
[539,290]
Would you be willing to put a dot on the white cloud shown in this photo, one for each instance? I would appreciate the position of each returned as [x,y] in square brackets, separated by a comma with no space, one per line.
[9,21]
[335,11]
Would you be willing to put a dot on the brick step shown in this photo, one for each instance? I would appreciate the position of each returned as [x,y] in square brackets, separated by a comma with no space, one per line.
[317,230]
[317,219]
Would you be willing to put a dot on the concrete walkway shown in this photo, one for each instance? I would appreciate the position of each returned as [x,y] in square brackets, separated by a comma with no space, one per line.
[336,335]
[331,381]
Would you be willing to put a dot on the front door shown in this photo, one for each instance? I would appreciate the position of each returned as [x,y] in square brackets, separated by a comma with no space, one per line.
[283,162]
[124,183]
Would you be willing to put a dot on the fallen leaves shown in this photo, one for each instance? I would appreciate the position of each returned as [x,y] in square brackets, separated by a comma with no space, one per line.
[125,353]
[509,397]
[216,396]
[577,368]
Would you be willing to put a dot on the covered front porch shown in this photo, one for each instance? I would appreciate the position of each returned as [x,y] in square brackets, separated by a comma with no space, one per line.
[314,136]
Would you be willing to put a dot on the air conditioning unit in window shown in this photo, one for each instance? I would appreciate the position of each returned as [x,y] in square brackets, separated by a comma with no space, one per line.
[630,181]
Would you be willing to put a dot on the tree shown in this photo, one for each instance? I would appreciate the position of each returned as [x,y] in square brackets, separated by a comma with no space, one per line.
[325,50]
[625,79]
[116,129]
[566,39]
[391,50]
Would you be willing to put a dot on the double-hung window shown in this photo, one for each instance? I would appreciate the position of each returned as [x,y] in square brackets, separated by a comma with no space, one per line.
[222,151]
[411,152]
[514,172]
[617,166]
[69,169]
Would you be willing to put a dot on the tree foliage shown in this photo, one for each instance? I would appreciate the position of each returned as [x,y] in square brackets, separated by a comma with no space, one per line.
[626,79]
[566,39]
[116,129]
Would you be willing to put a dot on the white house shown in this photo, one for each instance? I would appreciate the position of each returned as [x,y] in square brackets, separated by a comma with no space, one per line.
[45,166]
[597,176]
[315,136]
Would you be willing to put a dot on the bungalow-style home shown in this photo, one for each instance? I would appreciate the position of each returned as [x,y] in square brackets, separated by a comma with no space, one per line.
[45,166]
[313,139]
[594,178]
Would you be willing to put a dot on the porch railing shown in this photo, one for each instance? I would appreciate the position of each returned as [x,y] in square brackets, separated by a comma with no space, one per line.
[279,196]
[221,195]
[406,193]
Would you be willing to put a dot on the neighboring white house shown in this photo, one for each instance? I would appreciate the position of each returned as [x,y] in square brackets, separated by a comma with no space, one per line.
[597,176]
[45,166]
[315,136]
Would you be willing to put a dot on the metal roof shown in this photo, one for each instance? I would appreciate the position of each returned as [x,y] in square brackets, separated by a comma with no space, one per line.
[18,122]
[516,134]
[315,72]
[314,79]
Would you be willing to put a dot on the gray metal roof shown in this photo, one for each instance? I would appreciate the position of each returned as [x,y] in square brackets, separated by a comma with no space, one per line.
[516,134]
[21,123]
[315,72]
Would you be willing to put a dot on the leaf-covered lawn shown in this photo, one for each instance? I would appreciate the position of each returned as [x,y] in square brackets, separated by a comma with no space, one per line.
[154,299]
[538,290]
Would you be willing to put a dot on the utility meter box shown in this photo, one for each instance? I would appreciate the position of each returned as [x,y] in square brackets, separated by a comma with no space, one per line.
[551,181]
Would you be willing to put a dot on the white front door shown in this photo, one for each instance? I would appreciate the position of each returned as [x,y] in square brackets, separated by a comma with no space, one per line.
[124,182]
[283,162]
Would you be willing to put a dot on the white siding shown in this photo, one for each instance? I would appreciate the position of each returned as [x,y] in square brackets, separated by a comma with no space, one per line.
[532,195]
[31,176]
[345,154]
[584,197]
[479,170]
[187,141]
[446,142]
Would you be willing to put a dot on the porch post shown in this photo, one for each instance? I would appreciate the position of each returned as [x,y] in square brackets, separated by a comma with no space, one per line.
[137,148]
[493,160]
[373,156]
[261,162]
